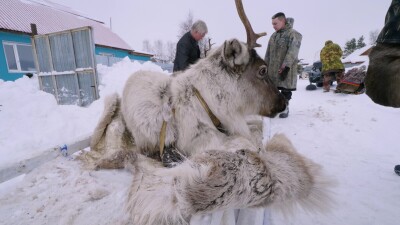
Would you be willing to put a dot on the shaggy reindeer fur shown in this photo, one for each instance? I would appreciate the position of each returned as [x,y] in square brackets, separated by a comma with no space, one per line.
[111,143]
[232,82]
[217,180]
[222,170]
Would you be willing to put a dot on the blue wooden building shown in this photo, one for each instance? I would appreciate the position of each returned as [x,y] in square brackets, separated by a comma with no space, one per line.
[16,17]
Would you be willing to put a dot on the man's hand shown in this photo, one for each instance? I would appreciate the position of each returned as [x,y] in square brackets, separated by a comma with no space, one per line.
[283,72]
[281,69]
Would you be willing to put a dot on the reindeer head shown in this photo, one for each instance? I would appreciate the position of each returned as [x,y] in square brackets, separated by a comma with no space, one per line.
[255,85]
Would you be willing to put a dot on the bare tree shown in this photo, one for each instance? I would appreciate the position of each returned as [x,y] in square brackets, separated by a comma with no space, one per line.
[159,51]
[171,51]
[146,46]
[186,25]
[166,53]
[205,46]
[373,35]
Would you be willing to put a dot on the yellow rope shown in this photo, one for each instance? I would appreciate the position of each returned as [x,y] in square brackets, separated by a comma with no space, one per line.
[213,118]
[162,137]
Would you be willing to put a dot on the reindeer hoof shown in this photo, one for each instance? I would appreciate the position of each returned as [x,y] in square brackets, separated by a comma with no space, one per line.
[172,157]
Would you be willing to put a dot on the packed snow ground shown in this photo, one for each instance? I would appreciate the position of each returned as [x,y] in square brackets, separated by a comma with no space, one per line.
[355,140]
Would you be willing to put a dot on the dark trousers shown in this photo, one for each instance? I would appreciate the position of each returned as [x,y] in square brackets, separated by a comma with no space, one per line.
[330,77]
[287,94]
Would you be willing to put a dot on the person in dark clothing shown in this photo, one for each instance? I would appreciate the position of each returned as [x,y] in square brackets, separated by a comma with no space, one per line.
[397,169]
[187,49]
[382,81]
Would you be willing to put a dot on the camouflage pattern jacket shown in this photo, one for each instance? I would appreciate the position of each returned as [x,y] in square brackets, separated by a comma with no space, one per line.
[283,49]
[391,31]
[331,55]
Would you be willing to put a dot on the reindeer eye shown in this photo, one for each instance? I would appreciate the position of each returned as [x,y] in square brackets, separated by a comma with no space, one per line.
[262,71]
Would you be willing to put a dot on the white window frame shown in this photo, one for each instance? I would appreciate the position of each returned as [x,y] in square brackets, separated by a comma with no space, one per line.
[14,45]
[106,54]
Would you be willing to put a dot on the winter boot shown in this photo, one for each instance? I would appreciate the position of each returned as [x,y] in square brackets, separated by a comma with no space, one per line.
[285,113]
[326,87]
[326,83]
[397,169]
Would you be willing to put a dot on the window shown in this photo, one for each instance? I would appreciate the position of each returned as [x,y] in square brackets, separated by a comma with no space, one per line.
[19,57]
[10,57]
[106,59]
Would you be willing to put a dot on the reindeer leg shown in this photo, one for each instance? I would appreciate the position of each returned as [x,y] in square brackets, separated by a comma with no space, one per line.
[220,180]
[277,176]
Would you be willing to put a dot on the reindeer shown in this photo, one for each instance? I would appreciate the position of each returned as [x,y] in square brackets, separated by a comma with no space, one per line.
[200,116]
[231,81]
[204,107]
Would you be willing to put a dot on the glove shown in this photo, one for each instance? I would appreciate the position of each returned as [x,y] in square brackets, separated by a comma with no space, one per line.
[283,73]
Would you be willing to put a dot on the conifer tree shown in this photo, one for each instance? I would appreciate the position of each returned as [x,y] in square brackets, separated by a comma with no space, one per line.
[360,42]
[350,47]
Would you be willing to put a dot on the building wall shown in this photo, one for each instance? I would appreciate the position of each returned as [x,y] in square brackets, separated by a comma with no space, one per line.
[25,39]
[119,53]
[10,37]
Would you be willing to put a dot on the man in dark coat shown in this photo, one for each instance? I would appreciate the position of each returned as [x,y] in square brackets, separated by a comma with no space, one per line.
[382,82]
[281,56]
[187,49]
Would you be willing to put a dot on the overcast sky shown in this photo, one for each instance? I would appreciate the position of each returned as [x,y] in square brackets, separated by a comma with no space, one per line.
[316,20]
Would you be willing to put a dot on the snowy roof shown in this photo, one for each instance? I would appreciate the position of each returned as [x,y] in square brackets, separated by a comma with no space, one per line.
[359,55]
[17,15]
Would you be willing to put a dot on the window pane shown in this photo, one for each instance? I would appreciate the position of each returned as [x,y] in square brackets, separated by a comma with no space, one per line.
[12,63]
[26,57]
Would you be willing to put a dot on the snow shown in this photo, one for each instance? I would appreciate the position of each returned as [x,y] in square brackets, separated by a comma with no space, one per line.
[355,140]
[32,122]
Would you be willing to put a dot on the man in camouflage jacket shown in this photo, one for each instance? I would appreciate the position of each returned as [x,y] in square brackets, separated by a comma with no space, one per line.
[332,66]
[281,56]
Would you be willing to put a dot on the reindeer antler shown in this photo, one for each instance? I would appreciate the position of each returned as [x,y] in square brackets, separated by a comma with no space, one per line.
[251,36]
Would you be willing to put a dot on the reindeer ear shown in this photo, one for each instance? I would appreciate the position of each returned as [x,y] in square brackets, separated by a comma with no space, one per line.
[235,53]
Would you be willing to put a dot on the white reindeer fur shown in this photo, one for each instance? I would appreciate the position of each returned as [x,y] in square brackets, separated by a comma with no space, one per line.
[218,180]
[220,80]
[222,170]
[111,143]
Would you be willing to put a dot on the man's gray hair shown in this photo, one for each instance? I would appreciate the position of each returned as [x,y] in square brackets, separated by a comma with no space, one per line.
[200,27]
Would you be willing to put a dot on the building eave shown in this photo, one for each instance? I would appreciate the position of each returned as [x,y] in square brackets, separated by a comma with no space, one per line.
[141,54]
